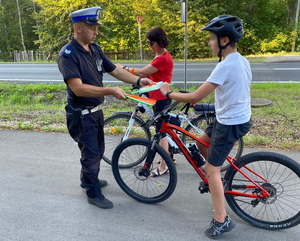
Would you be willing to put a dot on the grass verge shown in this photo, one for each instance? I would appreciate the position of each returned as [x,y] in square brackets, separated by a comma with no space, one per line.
[40,107]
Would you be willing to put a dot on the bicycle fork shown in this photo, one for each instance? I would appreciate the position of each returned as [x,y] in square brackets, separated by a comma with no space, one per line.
[145,171]
[131,122]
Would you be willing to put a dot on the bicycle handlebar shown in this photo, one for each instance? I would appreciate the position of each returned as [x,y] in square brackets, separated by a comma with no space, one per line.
[165,111]
[169,108]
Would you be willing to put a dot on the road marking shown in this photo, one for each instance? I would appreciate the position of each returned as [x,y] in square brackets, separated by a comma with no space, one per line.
[286,69]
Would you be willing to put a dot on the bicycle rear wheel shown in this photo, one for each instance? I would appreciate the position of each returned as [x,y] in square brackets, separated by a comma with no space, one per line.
[127,165]
[281,209]
[201,123]
[115,128]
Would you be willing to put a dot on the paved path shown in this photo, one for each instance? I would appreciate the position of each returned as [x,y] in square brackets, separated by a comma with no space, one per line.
[41,200]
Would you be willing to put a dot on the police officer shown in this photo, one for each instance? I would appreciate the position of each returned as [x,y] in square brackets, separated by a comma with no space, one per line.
[82,64]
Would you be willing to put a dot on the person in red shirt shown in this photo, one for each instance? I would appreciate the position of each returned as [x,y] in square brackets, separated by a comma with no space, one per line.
[160,69]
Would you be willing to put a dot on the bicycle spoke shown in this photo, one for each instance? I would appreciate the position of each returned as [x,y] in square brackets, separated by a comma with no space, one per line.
[285,210]
[129,171]
[115,128]
[290,202]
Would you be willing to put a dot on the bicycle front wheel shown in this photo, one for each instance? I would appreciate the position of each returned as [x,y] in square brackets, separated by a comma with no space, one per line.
[115,128]
[134,179]
[281,210]
[201,123]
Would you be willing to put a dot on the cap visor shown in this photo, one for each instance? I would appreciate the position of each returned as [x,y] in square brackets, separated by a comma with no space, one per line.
[93,23]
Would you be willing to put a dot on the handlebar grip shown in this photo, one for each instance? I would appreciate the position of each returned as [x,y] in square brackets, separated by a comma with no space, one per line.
[205,107]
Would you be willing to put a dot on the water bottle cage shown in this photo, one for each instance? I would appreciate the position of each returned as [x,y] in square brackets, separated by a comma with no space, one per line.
[196,156]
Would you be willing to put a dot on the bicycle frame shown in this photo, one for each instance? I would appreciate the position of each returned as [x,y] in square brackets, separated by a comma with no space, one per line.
[169,129]
[133,117]
[183,118]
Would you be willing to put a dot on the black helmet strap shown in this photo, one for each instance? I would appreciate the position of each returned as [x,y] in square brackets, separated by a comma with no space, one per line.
[221,47]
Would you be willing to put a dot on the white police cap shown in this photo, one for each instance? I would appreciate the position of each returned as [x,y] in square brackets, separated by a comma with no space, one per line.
[87,15]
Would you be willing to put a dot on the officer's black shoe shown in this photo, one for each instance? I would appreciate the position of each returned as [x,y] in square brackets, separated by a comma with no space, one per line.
[102,183]
[101,202]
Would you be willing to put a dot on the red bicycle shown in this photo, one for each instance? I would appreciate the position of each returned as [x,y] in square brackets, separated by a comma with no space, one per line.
[263,188]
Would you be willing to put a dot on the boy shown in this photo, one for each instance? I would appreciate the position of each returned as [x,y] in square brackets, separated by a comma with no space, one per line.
[231,81]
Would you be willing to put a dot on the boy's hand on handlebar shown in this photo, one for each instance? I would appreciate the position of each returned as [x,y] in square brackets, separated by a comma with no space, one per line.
[164,88]
[146,81]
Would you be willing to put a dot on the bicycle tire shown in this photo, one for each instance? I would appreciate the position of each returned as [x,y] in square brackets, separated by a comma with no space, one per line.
[113,138]
[279,211]
[201,123]
[142,188]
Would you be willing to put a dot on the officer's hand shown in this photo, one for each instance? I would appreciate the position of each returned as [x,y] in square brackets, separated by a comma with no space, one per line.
[164,88]
[119,93]
[146,81]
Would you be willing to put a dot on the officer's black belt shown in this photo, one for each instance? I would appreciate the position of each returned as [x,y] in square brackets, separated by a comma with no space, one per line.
[88,111]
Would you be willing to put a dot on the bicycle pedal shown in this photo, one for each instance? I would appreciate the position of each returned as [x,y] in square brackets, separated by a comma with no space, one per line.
[203,187]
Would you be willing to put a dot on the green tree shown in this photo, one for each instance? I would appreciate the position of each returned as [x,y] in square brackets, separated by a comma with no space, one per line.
[10,38]
[46,25]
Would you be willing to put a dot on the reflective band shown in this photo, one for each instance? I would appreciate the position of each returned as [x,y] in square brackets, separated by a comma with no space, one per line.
[88,111]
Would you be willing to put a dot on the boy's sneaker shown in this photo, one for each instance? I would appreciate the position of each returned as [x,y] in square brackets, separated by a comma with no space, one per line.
[101,202]
[216,229]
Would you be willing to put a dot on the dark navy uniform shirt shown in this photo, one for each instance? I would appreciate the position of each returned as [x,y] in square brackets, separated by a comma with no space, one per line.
[76,62]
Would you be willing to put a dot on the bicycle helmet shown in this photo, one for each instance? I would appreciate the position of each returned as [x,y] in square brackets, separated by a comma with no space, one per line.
[226,26]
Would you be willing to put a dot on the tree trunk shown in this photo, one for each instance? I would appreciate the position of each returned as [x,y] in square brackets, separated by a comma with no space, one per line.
[20,25]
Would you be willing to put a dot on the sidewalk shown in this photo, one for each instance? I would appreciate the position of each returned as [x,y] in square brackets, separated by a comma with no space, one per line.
[41,200]
[282,58]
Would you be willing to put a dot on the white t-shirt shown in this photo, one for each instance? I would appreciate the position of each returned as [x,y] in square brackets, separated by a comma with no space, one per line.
[232,96]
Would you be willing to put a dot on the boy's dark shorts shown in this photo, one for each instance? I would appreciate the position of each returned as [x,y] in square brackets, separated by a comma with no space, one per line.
[223,138]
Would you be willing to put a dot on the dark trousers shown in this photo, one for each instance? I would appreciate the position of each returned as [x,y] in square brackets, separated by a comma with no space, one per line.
[91,145]
[157,108]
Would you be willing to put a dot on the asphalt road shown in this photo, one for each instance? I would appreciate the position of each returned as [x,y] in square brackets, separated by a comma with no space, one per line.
[41,200]
[196,72]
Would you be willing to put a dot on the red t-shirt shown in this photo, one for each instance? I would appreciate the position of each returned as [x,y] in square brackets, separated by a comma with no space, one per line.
[164,63]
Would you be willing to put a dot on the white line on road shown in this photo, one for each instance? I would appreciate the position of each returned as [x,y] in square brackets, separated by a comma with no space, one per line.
[286,69]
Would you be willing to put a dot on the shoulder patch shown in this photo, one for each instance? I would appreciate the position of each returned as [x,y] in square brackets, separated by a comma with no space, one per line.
[68,51]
